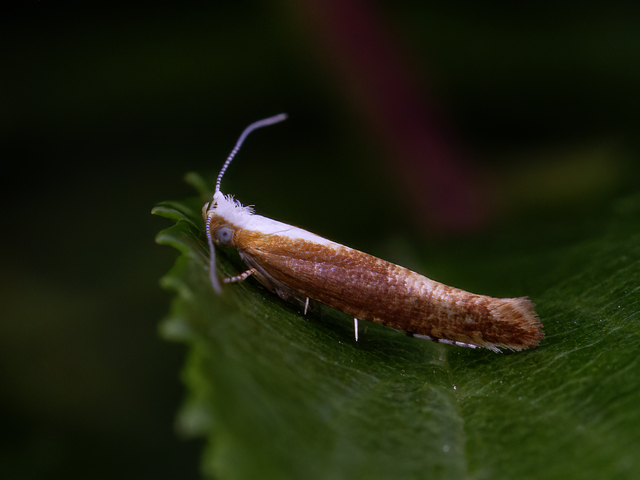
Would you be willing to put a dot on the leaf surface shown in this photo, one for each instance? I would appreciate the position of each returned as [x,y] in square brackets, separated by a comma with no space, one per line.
[281,395]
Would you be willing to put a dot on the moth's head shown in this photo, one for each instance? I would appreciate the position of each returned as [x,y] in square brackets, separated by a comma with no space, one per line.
[220,230]
[224,217]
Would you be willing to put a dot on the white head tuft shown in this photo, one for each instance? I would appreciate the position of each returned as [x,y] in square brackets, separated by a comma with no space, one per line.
[230,209]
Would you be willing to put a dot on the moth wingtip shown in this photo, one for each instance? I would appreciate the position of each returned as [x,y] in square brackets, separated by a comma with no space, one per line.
[519,317]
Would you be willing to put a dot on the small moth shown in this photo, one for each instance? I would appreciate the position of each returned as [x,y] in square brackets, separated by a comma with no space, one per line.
[298,264]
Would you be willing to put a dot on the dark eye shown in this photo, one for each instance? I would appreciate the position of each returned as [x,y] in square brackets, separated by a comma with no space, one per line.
[224,235]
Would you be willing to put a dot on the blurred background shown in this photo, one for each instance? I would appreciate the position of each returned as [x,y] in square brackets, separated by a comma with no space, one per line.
[412,119]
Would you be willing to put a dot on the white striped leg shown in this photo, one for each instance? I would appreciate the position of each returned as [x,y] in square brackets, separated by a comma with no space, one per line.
[240,277]
[442,340]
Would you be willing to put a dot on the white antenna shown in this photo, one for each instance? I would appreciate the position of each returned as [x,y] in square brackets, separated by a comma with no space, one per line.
[215,283]
[247,131]
[213,276]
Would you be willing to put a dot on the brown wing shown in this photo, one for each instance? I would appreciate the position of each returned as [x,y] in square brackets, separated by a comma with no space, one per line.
[369,288]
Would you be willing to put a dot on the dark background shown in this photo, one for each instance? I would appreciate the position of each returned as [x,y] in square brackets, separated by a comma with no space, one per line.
[407,120]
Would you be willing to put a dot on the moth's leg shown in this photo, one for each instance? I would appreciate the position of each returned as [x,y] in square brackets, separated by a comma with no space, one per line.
[459,344]
[443,340]
[306,305]
[355,326]
[239,278]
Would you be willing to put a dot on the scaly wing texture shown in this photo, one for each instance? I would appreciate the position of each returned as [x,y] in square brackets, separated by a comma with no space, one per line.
[369,288]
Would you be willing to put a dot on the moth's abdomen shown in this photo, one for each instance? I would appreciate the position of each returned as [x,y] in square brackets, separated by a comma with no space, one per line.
[369,288]
[421,306]
[410,302]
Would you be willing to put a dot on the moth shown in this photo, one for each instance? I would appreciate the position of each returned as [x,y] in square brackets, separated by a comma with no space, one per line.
[298,264]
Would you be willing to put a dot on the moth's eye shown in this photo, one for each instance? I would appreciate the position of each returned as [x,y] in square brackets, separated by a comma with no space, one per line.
[224,235]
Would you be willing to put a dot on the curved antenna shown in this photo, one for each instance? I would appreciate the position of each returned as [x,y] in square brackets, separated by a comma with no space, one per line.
[213,276]
[255,125]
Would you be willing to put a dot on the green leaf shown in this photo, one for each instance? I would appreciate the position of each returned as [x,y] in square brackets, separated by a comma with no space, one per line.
[281,395]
